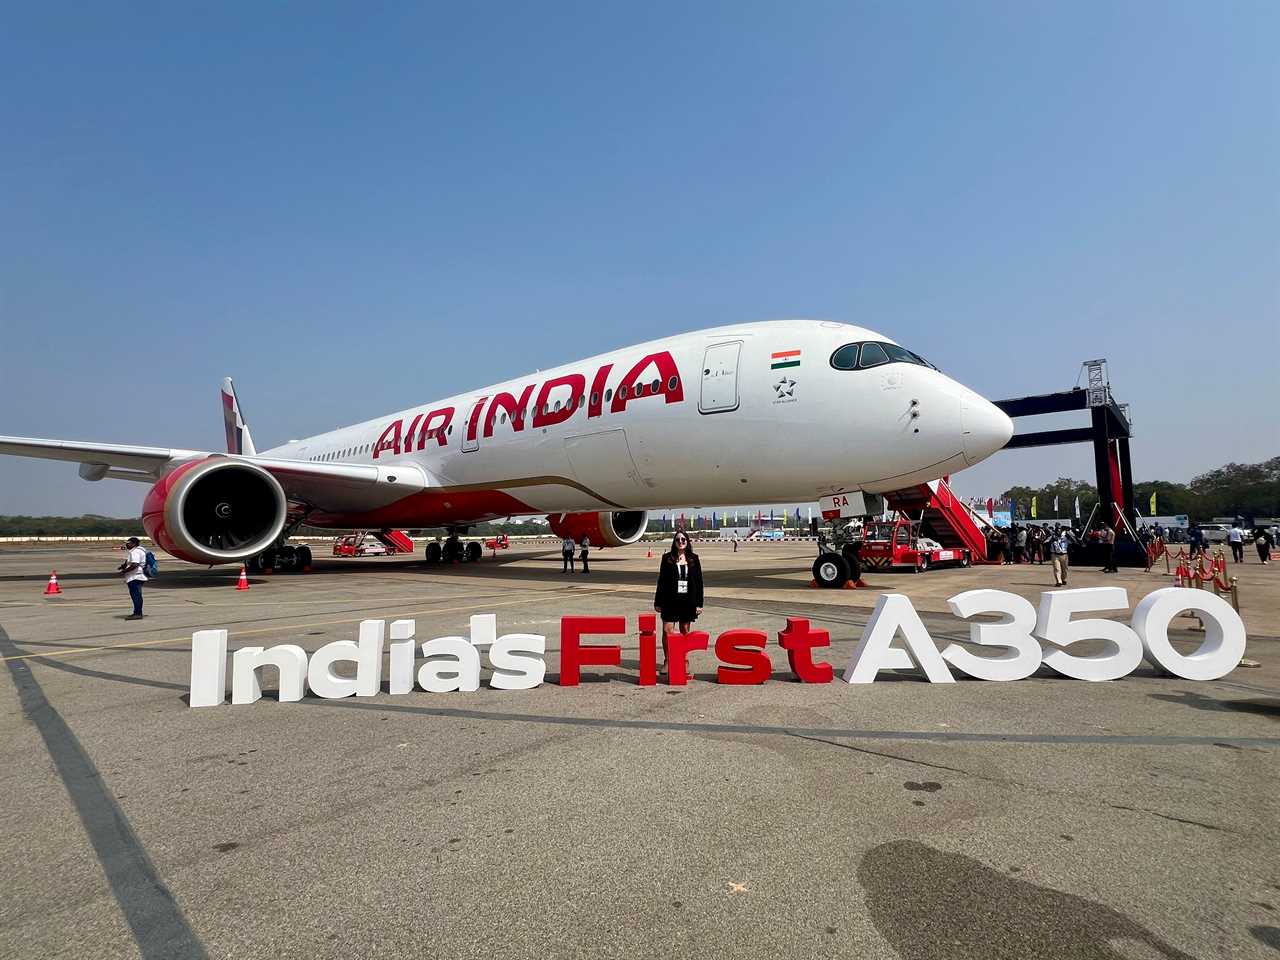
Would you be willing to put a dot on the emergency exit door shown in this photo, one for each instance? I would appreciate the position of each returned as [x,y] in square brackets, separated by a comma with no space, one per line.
[720,378]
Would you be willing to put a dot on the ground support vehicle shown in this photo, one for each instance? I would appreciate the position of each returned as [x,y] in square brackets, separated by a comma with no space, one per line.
[898,543]
[358,545]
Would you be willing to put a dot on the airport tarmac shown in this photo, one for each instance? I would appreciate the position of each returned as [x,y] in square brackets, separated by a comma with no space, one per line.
[1044,818]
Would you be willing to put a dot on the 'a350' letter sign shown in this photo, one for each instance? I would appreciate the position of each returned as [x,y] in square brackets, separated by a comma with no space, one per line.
[1026,637]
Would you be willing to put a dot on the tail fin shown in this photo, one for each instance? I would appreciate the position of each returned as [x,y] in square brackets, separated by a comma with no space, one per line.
[238,439]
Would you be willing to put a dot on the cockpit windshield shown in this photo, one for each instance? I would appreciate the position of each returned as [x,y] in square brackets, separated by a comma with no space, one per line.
[862,356]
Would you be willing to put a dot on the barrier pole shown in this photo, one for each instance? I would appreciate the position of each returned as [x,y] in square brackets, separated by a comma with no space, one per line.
[1235,594]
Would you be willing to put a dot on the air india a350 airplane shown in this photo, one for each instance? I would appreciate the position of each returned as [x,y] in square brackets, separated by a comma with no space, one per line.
[772,412]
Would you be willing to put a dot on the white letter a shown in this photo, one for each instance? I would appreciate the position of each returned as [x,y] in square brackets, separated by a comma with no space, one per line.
[894,614]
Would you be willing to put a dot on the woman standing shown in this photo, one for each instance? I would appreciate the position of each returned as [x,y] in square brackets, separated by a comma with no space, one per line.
[586,552]
[678,599]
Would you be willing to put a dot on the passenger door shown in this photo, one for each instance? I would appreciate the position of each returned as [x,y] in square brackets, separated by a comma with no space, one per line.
[720,378]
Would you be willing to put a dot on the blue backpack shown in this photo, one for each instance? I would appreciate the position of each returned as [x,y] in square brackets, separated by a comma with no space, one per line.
[151,568]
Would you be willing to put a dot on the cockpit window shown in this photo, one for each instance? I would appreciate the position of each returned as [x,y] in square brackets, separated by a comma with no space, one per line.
[872,355]
[846,358]
[899,353]
[860,356]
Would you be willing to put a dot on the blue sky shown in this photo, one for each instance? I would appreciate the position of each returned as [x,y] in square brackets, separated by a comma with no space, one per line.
[410,202]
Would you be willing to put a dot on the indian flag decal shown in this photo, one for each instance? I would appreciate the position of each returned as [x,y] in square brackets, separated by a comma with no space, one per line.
[783,359]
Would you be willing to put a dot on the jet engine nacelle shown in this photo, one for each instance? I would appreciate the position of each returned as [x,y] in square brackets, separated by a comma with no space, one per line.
[215,510]
[610,528]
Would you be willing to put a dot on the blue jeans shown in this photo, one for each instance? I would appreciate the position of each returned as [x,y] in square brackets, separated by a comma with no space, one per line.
[135,591]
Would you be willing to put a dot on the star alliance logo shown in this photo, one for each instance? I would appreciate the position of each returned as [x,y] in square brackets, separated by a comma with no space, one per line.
[786,390]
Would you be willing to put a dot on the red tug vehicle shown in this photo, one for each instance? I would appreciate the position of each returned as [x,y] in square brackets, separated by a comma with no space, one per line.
[898,543]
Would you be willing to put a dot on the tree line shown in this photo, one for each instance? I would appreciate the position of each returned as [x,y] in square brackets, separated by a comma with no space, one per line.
[1235,489]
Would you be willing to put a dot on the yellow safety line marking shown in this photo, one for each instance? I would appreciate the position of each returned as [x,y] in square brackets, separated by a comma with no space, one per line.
[282,627]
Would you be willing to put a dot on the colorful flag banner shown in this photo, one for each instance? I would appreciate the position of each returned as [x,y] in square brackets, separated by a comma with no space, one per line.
[1153,504]
[1033,508]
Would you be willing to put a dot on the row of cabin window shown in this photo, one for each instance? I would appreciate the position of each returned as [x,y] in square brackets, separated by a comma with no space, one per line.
[521,414]
[861,356]
[547,408]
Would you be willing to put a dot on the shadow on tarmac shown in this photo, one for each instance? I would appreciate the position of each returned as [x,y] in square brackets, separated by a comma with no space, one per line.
[929,904]
[1198,701]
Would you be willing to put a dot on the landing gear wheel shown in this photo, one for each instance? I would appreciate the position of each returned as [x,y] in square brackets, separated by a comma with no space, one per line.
[831,571]
[433,553]
[254,564]
[474,552]
[304,558]
[287,559]
[267,560]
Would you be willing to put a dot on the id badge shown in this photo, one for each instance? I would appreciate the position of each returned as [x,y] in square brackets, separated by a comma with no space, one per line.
[682,586]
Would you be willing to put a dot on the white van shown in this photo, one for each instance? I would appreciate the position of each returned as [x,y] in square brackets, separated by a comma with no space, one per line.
[1215,532]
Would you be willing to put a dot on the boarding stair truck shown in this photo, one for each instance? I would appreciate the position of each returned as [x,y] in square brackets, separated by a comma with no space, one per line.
[944,517]
[396,541]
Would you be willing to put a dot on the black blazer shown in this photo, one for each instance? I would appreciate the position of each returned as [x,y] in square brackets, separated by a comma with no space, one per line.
[666,597]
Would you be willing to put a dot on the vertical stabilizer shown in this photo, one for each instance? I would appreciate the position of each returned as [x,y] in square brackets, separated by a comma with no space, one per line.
[238,439]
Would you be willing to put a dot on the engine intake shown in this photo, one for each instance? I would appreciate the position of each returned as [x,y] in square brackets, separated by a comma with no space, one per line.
[607,529]
[215,510]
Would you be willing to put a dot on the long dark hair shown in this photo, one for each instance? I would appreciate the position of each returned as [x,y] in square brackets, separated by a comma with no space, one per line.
[673,554]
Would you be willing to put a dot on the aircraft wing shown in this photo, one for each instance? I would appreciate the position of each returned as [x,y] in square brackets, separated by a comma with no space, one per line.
[98,460]
[330,486]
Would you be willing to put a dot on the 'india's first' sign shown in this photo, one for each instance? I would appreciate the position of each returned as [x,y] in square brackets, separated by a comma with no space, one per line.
[1014,645]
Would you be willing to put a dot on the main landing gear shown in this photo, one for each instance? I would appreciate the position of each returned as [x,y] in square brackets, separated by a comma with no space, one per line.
[281,558]
[453,550]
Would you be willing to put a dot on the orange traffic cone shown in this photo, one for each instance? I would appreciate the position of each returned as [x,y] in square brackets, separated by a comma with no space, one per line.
[649,555]
[53,590]
[244,579]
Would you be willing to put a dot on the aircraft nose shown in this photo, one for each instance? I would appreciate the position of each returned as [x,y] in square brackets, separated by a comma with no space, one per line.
[986,428]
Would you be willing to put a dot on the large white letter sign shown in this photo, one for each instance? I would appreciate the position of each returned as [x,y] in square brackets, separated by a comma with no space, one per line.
[893,615]
[208,668]
[452,664]
[1021,656]
[1224,636]
[1054,625]
[289,658]
[369,660]
[403,646]
[512,672]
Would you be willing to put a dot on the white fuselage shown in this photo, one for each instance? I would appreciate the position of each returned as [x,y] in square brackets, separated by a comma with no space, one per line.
[751,413]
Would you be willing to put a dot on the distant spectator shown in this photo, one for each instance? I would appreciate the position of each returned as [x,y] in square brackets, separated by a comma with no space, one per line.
[1107,537]
[1058,546]
[1195,540]
[1263,542]
[1235,537]
[1020,545]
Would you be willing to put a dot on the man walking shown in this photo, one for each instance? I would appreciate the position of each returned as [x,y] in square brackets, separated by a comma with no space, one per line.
[1058,556]
[134,570]
[1236,538]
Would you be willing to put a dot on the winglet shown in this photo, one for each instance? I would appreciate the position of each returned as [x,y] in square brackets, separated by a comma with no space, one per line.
[238,439]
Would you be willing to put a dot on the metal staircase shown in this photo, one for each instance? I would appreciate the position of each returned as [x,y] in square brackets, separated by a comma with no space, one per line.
[944,517]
